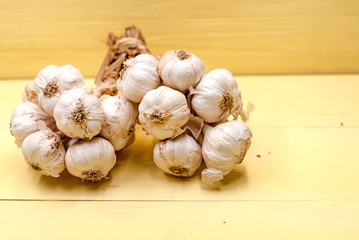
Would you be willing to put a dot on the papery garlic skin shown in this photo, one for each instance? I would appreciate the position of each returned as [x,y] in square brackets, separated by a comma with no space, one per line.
[28,118]
[180,156]
[163,113]
[216,96]
[180,70]
[79,114]
[139,76]
[224,146]
[90,160]
[119,122]
[44,152]
[52,81]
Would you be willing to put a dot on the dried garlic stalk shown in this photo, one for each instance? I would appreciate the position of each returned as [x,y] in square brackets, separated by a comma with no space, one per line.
[121,48]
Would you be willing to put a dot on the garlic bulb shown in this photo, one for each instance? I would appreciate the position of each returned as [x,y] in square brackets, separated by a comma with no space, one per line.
[180,156]
[79,114]
[224,146]
[138,76]
[216,96]
[180,70]
[90,160]
[28,118]
[44,152]
[119,122]
[52,81]
[163,113]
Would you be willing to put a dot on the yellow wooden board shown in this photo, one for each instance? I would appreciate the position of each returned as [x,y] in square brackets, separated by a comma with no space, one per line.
[248,37]
[304,185]
[172,220]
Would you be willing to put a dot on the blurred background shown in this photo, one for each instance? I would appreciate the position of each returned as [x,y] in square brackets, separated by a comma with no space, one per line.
[245,36]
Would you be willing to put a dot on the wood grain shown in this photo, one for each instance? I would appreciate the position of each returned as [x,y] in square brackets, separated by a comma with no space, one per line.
[247,37]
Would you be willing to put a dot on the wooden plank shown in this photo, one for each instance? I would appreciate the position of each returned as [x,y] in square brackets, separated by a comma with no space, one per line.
[305,153]
[321,220]
[248,37]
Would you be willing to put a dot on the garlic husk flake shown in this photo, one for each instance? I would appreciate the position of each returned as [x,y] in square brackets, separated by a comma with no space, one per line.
[224,146]
[216,96]
[163,113]
[79,114]
[180,156]
[119,122]
[28,118]
[45,152]
[90,160]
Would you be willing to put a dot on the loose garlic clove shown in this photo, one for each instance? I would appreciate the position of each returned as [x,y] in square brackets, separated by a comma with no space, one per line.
[52,81]
[180,70]
[138,76]
[79,114]
[119,122]
[28,118]
[90,160]
[163,113]
[180,156]
[224,146]
[44,152]
[216,96]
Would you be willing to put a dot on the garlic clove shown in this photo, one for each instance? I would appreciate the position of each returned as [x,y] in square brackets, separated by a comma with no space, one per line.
[119,122]
[225,146]
[90,160]
[180,156]
[216,96]
[138,76]
[28,118]
[211,175]
[180,70]
[164,112]
[44,152]
[79,114]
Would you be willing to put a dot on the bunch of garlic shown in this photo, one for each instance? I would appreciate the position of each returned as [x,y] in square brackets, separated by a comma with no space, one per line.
[165,113]
[63,124]
[60,122]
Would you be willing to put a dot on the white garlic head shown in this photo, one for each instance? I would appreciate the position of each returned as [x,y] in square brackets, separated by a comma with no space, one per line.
[79,114]
[163,113]
[52,81]
[138,76]
[120,118]
[90,160]
[180,156]
[180,70]
[224,146]
[44,152]
[28,118]
[216,96]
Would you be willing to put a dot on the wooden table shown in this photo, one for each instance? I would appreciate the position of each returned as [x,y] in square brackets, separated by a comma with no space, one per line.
[299,179]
